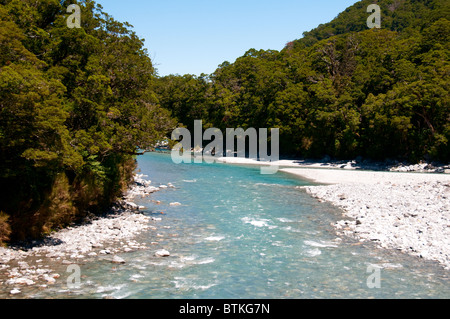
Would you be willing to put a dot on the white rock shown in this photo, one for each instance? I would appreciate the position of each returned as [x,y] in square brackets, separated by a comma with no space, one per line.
[162,253]
[49,280]
[23,264]
[24,281]
[15,292]
[175,204]
[118,260]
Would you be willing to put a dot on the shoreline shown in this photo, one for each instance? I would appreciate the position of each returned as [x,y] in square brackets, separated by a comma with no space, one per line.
[405,211]
[33,265]
[326,163]
[399,207]
[409,212]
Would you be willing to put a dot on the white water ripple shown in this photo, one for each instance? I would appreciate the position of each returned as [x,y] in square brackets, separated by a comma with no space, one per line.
[321,244]
[215,238]
[258,222]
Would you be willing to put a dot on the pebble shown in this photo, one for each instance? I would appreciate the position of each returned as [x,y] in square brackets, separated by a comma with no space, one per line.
[20,281]
[118,260]
[49,280]
[15,292]
[162,253]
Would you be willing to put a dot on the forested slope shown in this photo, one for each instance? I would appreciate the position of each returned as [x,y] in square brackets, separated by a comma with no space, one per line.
[75,105]
[342,90]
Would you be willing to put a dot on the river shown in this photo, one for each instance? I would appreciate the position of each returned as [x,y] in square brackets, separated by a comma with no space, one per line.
[240,234]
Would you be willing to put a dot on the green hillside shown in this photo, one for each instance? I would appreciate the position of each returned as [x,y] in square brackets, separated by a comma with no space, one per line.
[75,104]
[342,90]
[405,16]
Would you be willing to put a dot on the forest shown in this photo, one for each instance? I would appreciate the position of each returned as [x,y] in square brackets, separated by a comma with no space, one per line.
[342,90]
[78,104]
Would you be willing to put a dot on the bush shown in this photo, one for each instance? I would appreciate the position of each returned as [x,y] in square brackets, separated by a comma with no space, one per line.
[5,228]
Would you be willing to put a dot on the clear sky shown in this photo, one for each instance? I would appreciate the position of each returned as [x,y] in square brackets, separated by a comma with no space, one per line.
[195,36]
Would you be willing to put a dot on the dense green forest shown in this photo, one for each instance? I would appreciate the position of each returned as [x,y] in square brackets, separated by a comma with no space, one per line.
[341,90]
[75,106]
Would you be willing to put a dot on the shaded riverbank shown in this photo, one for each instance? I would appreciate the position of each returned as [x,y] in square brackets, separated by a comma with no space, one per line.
[34,263]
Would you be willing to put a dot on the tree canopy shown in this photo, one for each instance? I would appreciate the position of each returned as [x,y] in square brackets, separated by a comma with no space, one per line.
[342,90]
[75,106]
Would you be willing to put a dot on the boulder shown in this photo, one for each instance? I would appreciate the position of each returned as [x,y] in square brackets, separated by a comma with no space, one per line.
[118,260]
[49,280]
[15,292]
[162,253]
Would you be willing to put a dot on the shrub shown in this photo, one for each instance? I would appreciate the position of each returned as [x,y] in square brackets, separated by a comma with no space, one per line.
[5,228]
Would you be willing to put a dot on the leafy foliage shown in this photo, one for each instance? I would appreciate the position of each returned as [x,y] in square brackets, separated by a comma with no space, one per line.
[342,90]
[75,105]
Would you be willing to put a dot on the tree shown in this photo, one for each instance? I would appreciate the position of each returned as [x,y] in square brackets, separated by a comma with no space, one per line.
[75,107]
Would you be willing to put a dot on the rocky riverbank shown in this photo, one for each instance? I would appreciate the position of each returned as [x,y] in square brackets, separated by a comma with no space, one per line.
[398,205]
[30,264]
[405,211]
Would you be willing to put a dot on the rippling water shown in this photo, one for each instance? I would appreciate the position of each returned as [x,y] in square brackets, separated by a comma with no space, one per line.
[240,234]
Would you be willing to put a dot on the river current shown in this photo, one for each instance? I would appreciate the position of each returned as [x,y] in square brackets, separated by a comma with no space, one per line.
[240,234]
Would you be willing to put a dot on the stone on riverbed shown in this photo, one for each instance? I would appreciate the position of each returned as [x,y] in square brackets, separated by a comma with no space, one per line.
[175,204]
[20,281]
[15,292]
[118,260]
[162,253]
[49,280]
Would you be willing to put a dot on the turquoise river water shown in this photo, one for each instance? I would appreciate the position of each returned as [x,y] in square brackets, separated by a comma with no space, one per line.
[240,234]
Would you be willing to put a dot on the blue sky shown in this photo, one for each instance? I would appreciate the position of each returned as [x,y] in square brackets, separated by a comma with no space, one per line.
[195,36]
